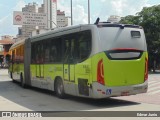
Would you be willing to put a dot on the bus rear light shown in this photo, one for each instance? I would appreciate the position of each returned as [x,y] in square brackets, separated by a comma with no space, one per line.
[100,72]
[146,70]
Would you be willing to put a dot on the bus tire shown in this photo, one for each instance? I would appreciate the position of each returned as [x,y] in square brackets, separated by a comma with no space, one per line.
[59,88]
[11,75]
[22,81]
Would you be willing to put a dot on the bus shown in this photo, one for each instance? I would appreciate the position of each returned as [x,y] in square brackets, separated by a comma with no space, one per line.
[92,60]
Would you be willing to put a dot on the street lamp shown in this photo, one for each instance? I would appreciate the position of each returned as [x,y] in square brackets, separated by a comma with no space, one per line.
[71,14]
[88,11]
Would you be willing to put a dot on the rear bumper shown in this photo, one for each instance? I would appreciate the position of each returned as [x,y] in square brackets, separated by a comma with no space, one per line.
[101,91]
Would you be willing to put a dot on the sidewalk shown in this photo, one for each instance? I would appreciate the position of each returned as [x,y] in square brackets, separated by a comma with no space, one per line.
[3,71]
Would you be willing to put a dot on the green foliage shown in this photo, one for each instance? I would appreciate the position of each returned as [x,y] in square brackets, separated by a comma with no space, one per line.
[149,19]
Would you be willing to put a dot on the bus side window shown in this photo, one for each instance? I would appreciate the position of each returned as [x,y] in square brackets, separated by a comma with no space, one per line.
[56,50]
[34,53]
[46,50]
[84,45]
[53,53]
[70,49]
[66,51]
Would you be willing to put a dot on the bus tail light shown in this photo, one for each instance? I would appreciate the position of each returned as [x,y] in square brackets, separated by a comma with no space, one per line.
[100,72]
[146,70]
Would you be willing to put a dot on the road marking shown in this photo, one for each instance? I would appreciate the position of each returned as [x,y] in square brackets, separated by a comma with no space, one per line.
[150,85]
[153,88]
[151,81]
[155,92]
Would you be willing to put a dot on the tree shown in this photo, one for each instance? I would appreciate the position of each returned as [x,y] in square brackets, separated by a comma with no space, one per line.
[149,19]
[130,19]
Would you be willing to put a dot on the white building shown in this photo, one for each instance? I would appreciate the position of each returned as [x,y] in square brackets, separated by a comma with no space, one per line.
[50,7]
[26,30]
[31,7]
[114,19]
[68,21]
[62,20]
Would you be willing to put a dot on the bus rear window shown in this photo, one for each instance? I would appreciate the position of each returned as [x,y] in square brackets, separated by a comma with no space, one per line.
[135,34]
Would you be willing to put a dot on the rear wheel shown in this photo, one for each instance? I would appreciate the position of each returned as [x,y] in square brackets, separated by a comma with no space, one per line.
[11,76]
[22,81]
[59,88]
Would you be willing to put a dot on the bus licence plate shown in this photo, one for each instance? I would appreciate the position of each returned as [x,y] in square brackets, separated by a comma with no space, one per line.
[125,93]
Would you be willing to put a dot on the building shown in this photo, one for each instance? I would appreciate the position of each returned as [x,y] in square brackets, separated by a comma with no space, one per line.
[5,45]
[68,21]
[1,50]
[7,37]
[114,19]
[41,9]
[26,30]
[50,7]
[62,20]
[55,18]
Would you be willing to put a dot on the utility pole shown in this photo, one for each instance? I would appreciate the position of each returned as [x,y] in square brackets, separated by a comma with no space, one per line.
[71,14]
[88,11]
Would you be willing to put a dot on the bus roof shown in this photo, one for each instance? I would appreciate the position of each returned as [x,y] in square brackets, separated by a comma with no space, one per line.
[21,42]
[100,24]
[56,31]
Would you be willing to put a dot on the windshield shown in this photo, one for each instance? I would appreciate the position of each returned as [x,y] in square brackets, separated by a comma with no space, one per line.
[117,38]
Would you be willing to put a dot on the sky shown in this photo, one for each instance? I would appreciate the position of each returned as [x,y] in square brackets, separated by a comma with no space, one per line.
[98,8]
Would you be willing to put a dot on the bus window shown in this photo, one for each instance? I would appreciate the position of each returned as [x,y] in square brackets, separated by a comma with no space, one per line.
[47,51]
[33,53]
[37,56]
[77,47]
[66,50]
[70,48]
[53,53]
[84,45]
[55,50]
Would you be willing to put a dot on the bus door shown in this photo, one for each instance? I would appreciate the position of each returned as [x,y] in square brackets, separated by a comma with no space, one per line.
[69,64]
[39,70]
[40,61]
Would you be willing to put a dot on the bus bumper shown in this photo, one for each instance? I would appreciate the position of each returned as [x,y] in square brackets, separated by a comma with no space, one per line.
[101,91]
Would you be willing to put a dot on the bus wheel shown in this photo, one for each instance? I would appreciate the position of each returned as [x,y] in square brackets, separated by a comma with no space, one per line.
[22,81]
[59,88]
[11,75]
